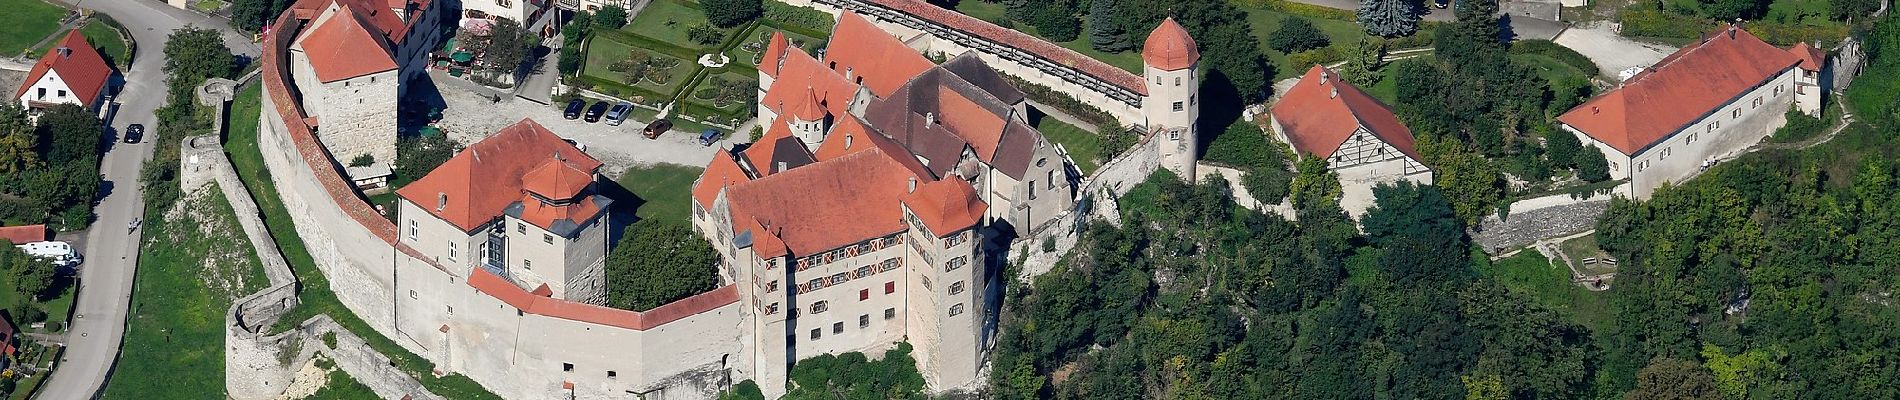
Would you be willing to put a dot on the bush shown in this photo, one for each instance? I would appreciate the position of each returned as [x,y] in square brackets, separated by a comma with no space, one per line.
[705,34]
[1553,50]
[571,60]
[1063,101]
[1296,35]
[611,17]
[1656,23]
[362,160]
[1319,56]
[1801,126]
[800,17]
[1591,166]
[731,13]
[1049,244]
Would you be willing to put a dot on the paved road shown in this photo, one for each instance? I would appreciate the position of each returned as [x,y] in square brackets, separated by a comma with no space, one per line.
[111,253]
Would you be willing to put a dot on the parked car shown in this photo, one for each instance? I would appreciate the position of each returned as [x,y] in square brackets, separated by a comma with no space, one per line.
[708,137]
[574,108]
[134,133]
[619,113]
[657,127]
[1441,4]
[577,145]
[594,113]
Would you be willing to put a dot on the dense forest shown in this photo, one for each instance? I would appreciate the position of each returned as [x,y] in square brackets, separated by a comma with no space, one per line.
[1771,276]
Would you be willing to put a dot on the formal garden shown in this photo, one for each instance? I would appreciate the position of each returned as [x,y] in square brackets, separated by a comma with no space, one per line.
[676,52]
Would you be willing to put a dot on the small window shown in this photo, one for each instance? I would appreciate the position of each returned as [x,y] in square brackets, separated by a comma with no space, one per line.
[547,238]
[864,320]
[864,294]
[837,328]
[1177,81]
[451,310]
[1178,106]
[819,307]
[521,228]
[1757,102]
[453,250]
[1032,189]
[955,263]
[890,313]
[412,230]
[816,333]
[612,374]
[771,286]
[1735,114]
[62,93]
[771,309]
[567,367]
[412,294]
[527,264]
[926,282]
[890,287]
[956,309]
[956,288]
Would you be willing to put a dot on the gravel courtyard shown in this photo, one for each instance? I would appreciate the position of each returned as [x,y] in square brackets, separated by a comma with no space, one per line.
[471,116]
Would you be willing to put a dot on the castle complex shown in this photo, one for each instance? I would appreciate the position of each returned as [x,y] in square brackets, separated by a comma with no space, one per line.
[875,210]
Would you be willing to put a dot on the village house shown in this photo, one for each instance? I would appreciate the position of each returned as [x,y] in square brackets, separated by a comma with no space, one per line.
[1708,100]
[71,73]
[1361,140]
[522,205]
[352,53]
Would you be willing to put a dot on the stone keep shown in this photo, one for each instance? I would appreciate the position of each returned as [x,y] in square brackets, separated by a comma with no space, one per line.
[1170,60]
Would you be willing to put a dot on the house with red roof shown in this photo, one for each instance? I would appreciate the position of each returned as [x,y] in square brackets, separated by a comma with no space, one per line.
[1709,100]
[1326,117]
[70,73]
[352,63]
[521,204]
[24,234]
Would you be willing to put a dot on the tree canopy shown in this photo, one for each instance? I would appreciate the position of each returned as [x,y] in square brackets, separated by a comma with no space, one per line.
[730,13]
[657,263]
[1297,34]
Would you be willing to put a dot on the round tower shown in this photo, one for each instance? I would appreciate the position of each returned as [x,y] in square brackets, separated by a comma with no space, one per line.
[1171,106]
[808,119]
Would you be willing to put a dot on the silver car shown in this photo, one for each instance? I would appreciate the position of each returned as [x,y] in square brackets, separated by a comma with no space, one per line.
[619,113]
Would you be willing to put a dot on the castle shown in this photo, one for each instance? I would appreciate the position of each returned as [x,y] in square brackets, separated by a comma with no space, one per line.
[874,211]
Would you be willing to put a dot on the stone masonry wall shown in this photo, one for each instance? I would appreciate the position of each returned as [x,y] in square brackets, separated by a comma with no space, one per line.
[1107,184]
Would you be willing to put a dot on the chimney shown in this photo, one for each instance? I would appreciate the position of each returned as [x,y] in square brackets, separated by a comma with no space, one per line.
[1594,110]
[913,185]
[65,52]
[930,119]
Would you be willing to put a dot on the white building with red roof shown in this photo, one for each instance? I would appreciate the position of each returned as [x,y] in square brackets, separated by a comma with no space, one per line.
[1709,100]
[70,73]
[352,63]
[1361,140]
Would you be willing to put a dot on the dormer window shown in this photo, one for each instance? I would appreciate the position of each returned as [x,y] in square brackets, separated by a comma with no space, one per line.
[441,201]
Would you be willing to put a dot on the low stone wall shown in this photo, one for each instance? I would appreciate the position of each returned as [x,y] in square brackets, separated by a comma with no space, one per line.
[1522,228]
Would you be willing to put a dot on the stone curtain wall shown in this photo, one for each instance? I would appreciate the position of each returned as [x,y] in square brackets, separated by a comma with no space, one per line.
[1845,63]
[1102,189]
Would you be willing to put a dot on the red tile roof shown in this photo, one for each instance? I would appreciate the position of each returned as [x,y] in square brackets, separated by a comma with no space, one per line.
[557,179]
[1169,47]
[764,152]
[871,55]
[823,206]
[343,47]
[543,214]
[81,69]
[501,289]
[1679,90]
[1021,41]
[480,182]
[849,135]
[810,108]
[1321,111]
[774,52]
[946,206]
[723,171]
[25,234]
[1812,59]
[801,79]
[379,16]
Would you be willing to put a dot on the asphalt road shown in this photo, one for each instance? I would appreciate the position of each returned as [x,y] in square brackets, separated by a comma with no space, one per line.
[105,280]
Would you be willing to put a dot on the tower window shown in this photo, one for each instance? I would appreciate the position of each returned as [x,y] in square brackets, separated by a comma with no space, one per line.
[1177,81]
[864,320]
[956,309]
[816,333]
[890,313]
[837,328]
[1177,106]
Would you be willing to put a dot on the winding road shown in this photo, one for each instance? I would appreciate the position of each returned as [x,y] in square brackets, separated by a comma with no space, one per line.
[105,281]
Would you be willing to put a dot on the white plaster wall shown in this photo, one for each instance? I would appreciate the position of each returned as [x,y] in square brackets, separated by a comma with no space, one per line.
[1718,134]
[1049,172]
[433,237]
[56,91]
[517,10]
[1175,129]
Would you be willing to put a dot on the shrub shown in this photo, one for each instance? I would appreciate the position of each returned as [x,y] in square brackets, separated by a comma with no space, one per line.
[571,60]
[363,160]
[705,34]
[1296,35]
[611,17]
[1063,101]
[800,17]
[1553,50]
[329,340]
[731,13]
[1801,126]
[1323,55]
[1049,244]
[1656,23]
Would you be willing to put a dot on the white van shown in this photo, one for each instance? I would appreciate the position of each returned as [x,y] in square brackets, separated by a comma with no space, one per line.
[60,253]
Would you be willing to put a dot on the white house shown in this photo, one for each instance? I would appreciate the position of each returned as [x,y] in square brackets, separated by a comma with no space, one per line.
[71,73]
[1708,100]
[1324,116]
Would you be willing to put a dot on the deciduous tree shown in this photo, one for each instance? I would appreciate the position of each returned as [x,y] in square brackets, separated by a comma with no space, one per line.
[657,263]
[1297,34]
[731,13]
[613,16]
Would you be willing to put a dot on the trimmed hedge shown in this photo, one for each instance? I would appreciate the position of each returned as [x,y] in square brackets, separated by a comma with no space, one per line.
[1324,55]
[1553,50]
[1302,9]
[1063,101]
[1639,22]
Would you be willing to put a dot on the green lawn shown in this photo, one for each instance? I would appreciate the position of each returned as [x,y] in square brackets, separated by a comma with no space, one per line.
[339,385]
[208,5]
[665,190]
[1548,68]
[1549,284]
[741,55]
[667,21]
[1266,21]
[1586,247]
[315,297]
[984,10]
[108,41]
[602,52]
[1081,144]
[27,22]
[190,270]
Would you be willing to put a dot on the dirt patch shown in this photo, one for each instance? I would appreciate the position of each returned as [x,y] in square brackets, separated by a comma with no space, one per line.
[228,254]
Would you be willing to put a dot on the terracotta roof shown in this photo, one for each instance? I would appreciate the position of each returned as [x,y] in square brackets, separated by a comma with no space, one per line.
[1321,111]
[1682,88]
[1018,40]
[1812,59]
[378,15]
[850,135]
[871,55]
[562,219]
[480,182]
[774,52]
[809,108]
[938,114]
[946,206]
[723,171]
[822,206]
[81,69]
[802,79]
[25,234]
[557,179]
[501,289]
[1169,47]
[776,146]
[343,47]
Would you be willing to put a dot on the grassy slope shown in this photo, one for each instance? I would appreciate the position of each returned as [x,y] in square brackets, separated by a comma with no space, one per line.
[668,21]
[339,385]
[1549,284]
[1081,144]
[665,190]
[108,41]
[174,342]
[316,297]
[1266,21]
[27,22]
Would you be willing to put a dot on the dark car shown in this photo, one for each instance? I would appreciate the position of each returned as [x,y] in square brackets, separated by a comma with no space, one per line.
[657,127]
[1441,4]
[594,113]
[134,133]
[574,108]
